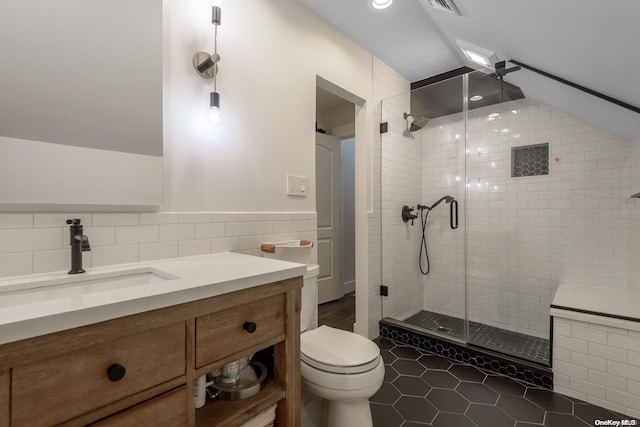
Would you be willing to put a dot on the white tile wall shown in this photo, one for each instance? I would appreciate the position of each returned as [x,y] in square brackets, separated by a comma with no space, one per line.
[598,364]
[401,175]
[525,235]
[635,217]
[387,83]
[39,242]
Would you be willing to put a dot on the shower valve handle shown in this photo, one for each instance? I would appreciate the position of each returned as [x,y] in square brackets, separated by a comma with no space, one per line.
[407,215]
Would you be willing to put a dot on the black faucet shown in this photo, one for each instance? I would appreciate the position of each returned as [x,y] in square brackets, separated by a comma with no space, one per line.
[79,243]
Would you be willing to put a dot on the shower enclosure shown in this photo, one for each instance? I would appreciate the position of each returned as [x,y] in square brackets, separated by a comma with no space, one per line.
[472,140]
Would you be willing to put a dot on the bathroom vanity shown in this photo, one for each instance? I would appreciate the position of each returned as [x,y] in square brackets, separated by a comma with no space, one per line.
[140,368]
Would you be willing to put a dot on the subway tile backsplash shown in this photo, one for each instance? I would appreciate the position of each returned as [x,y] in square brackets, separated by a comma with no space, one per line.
[39,242]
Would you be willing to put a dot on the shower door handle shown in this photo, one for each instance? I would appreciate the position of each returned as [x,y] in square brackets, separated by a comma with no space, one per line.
[453,216]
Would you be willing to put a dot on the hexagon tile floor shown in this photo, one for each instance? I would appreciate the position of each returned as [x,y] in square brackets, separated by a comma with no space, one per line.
[422,389]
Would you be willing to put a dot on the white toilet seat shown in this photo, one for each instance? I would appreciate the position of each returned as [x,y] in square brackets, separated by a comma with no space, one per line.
[349,386]
[339,352]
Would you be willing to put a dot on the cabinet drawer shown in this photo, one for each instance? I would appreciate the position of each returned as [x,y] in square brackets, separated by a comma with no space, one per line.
[169,409]
[223,333]
[62,388]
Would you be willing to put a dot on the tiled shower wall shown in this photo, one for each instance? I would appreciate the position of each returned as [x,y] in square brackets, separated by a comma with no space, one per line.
[525,235]
[443,169]
[401,176]
[387,82]
[635,218]
[39,242]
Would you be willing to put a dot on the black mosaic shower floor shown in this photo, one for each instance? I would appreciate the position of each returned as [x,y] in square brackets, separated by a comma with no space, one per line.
[423,389]
[512,343]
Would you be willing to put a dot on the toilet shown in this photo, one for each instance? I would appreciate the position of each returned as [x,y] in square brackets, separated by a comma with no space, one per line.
[342,368]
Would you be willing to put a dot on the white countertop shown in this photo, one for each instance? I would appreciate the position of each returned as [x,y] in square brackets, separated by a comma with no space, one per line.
[42,310]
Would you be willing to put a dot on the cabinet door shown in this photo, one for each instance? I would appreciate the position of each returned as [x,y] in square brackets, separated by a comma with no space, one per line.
[62,388]
[169,409]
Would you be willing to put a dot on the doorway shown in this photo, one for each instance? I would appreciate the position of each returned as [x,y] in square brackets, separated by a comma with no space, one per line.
[335,207]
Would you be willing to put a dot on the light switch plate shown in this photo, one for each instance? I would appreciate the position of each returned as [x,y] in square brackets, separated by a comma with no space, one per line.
[297,185]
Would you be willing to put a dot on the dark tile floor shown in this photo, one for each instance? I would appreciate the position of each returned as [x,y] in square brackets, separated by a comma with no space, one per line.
[512,343]
[422,389]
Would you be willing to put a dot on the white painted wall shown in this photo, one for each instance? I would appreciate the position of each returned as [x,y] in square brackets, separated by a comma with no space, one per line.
[271,53]
[333,117]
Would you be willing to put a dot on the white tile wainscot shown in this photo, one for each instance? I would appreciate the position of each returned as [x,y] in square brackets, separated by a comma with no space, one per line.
[39,242]
[596,346]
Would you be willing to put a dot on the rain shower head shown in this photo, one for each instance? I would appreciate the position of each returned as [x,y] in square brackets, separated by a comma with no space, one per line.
[417,123]
[407,128]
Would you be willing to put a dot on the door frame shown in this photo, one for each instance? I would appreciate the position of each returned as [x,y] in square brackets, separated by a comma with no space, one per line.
[363,198]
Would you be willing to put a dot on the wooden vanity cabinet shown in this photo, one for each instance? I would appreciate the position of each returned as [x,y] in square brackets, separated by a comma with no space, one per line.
[141,369]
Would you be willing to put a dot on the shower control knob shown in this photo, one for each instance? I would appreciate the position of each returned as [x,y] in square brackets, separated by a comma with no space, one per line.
[250,327]
[407,215]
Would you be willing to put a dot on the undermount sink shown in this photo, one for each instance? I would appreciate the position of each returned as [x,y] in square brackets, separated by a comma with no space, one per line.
[73,286]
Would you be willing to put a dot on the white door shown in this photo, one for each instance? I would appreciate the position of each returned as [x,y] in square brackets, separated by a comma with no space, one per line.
[328,208]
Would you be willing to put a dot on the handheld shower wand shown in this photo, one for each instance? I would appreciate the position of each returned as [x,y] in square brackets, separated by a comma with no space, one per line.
[453,223]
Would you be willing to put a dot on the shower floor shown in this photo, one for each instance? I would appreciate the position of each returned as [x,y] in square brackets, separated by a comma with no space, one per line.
[512,343]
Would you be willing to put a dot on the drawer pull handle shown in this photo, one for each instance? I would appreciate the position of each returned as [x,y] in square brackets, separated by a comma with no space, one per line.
[250,327]
[115,372]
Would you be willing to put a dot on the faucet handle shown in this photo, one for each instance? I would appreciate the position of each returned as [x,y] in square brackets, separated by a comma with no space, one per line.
[84,244]
[75,221]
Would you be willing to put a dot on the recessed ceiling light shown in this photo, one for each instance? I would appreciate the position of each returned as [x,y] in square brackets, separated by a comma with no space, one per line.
[476,98]
[494,115]
[381,4]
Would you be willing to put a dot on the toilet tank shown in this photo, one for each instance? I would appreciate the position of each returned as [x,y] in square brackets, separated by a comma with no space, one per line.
[309,310]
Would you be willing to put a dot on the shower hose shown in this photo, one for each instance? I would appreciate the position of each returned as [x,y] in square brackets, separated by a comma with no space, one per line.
[423,243]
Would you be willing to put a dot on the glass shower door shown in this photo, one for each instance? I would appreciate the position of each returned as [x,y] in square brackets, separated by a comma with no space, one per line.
[422,171]
[508,270]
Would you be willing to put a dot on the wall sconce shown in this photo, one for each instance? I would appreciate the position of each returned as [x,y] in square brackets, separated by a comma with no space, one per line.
[206,65]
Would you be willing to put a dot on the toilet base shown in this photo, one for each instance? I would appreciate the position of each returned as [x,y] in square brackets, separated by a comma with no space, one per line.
[347,414]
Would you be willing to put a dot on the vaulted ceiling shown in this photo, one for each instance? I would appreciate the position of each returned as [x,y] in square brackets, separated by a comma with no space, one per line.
[592,43]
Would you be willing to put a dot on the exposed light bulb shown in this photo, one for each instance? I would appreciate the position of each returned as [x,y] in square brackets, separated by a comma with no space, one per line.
[215,115]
